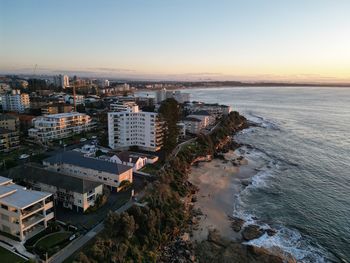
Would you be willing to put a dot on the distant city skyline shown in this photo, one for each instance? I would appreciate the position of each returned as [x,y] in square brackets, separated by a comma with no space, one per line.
[293,41]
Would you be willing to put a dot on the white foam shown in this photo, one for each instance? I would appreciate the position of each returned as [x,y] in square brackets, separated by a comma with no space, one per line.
[292,242]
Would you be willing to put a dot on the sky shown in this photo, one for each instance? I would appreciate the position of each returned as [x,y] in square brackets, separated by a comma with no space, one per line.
[247,40]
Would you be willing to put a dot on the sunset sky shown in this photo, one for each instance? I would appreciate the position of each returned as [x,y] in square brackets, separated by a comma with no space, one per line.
[295,40]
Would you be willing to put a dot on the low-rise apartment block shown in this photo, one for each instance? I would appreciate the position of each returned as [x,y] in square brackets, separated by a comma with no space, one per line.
[23,213]
[59,126]
[9,122]
[9,140]
[193,125]
[133,127]
[75,164]
[215,110]
[69,192]
[56,108]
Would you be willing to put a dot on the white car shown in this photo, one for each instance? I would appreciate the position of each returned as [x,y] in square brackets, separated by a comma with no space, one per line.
[83,140]
[23,156]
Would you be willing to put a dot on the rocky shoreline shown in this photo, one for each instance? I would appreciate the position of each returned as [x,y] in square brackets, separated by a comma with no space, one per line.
[215,247]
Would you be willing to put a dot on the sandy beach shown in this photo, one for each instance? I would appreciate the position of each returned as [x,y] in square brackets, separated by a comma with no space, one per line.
[218,182]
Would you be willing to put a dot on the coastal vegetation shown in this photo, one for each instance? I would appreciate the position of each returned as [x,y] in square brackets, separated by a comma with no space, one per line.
[170,113]
[139,234]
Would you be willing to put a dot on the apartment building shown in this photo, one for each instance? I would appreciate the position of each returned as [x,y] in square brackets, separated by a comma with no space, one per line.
[23,213]
[122,106]
[15,101]
[69,192]
[56,108]
[204,116]
[9,140]
[215,110]
[61,81]
[133,127]
[193,125]
[59,126]
[75,164]
[9,122]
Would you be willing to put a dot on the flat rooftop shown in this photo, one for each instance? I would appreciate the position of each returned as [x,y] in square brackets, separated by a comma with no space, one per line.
[36,173]
[4,180]
[17,196]
[64,115]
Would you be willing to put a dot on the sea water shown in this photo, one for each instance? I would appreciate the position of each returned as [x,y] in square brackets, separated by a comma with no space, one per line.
[303,189]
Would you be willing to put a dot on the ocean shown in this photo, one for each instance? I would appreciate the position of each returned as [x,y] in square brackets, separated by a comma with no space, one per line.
[303,189]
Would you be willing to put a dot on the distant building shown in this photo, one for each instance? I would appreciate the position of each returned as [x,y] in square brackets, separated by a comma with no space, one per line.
[161,95]
[9,122]
[25,121]
[214,110]
[133,127]
[79,99]
[182,129]
[76,164]
[179,96]
[193,125]
[204,116]
[61,81]
[122,106]
[59,126]
[4,88]
[69,192]
[9,140]
[23,213]
[56,108]
[15,101]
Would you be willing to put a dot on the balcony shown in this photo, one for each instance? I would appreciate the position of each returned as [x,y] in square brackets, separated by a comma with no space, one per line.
[48,205]
[32,210]
[32,221]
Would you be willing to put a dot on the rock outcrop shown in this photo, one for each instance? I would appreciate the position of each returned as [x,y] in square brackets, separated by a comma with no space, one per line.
[216,249]
[252,232]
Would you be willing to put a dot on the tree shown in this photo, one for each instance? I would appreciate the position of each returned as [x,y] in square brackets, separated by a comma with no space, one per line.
[170,113]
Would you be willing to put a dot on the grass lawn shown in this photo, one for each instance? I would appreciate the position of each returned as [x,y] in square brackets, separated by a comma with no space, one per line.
[8,256]
[53,240]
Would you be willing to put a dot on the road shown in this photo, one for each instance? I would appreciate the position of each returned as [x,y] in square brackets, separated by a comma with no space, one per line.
[78,243]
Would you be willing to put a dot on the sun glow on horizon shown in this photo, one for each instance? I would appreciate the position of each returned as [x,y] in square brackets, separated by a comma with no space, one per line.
[182,40]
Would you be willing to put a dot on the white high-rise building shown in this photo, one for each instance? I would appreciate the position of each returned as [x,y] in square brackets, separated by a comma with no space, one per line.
[58,126]
[133,127]
[161,95]
[15,101]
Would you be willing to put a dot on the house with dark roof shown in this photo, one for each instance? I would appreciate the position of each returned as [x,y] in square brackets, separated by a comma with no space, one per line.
[68,191]
[76,164]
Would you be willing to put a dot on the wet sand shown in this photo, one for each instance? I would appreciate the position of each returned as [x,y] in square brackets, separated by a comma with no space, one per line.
[218,182]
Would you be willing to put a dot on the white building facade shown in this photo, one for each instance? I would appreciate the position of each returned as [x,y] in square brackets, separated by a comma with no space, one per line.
[133,127]
[23,213]
[59,126]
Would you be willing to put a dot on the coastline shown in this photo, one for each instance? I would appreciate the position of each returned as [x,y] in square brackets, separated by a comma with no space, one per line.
[218,182]
[216,233]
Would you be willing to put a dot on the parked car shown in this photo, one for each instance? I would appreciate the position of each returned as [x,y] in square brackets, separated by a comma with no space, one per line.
[83,140]
[23,156]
